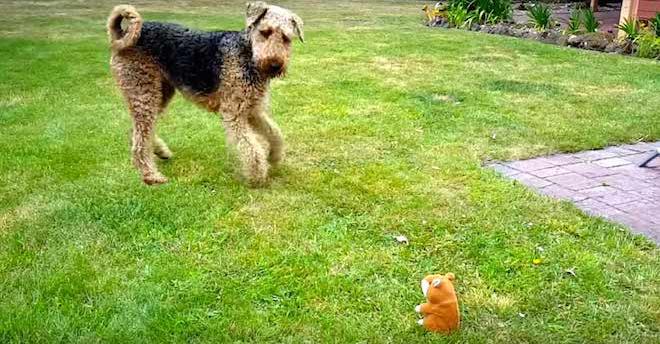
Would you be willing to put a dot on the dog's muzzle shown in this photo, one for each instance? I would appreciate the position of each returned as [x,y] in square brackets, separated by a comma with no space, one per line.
[273,68]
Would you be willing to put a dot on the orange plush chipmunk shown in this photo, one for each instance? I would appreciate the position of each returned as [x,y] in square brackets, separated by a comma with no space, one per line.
[441,311]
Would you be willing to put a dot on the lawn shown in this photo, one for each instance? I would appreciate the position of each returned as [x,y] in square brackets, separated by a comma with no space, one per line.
[387,123]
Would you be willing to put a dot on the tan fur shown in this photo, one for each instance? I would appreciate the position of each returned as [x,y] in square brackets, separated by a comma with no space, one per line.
[120,39]
[248,126]
[441,313]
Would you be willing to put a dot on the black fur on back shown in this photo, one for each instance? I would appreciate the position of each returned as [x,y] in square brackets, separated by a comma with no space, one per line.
[194,60]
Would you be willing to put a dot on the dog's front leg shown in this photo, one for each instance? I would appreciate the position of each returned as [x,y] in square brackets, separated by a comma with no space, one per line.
[251,152]
[263,124]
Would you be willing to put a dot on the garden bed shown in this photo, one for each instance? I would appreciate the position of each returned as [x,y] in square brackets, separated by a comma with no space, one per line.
[577,27]
[599,41]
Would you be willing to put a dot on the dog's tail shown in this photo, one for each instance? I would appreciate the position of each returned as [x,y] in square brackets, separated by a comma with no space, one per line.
[124,38]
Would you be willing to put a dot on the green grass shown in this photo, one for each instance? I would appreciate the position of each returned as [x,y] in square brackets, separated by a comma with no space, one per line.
[387,124]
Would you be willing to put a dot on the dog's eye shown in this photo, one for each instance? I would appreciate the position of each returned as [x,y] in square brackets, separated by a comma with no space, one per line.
[266,33]
[286,39]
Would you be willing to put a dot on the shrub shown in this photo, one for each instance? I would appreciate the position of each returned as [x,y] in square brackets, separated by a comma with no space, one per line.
[574,22]
[493,11]
[460,3]
[541,16]
[630,27]
[648,44]
[655,24]
[457,16]
[591,24]
[485,11]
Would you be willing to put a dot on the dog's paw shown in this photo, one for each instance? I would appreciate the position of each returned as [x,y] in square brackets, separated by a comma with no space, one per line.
[418,308]
[256,174]
[154,179]
[163,153]
[258,182]
[275,158]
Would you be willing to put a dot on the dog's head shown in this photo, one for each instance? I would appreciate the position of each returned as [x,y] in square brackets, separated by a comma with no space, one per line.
[271,30]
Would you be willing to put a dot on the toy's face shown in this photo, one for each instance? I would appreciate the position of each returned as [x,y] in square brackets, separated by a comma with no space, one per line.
[435,281]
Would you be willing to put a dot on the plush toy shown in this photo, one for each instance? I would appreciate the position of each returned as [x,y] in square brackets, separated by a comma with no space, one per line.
[441,309]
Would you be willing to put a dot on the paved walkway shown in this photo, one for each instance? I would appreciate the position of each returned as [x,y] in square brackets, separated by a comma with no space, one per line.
[606,183]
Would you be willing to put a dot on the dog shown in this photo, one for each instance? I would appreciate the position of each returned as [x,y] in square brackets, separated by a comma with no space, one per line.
[226,72]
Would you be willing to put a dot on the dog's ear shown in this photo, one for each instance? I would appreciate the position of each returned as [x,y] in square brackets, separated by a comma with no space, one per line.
[255,12]
[298,27]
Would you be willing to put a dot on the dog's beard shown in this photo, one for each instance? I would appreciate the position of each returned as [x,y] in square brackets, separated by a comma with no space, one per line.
[271,74]
[266,69]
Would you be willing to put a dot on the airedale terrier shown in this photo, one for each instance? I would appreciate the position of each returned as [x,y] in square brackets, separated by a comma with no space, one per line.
[225,71]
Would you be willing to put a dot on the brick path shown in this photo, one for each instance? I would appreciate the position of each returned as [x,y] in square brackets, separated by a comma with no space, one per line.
[606,183]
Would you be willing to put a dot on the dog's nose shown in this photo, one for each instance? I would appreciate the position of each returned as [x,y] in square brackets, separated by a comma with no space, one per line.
[275,67]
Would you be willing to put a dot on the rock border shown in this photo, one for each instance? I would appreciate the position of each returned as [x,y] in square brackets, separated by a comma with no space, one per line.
[597,41]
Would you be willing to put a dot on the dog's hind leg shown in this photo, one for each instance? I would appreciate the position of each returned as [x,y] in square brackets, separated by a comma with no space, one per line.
[141,82]
[144,118]
[160,147]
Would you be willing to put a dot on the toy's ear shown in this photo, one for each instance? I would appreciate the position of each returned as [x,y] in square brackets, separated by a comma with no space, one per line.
[436,282]
[450,276]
